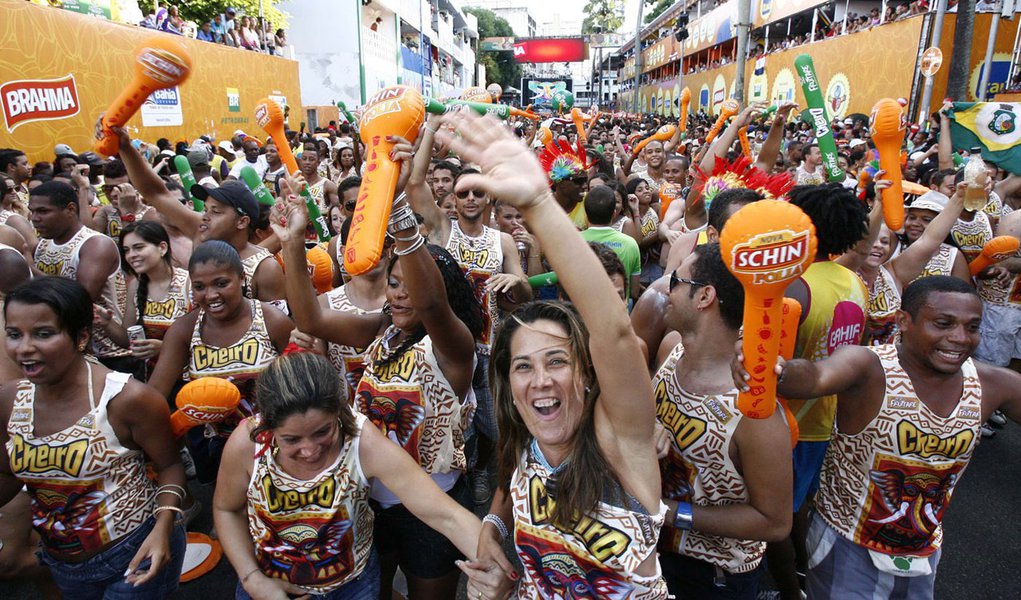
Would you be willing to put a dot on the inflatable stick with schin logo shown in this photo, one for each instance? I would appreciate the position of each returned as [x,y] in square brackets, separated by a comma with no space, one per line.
[817,109]
[396,111]
[270,117]
[727,110]
[160,62]
[788,336]
[766,245]
[205,400]
[685,99]
[887,128]
[998,249]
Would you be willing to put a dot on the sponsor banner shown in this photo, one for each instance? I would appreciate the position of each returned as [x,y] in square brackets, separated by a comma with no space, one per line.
[163,109]
[771,11]
[539,91]
[664,51]
[99,55]
[715,27]
[543,50]
[496,44]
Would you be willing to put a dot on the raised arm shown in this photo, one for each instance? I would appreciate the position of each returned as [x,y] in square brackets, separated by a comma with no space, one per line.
[946,145]
[152,188]
[420,197]
[512,174]
[910,263]
[771,147]
[853,258]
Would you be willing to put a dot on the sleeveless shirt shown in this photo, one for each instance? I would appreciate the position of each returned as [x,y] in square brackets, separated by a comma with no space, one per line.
[314,533]
[348,360]
[699,469]
[596,559]
[115,222]
[971,235]
[886,488]
[240,362]
[159,315]
[941,263]
[87,489]
[250,265]
[480,258]
[62,260]
[881,309]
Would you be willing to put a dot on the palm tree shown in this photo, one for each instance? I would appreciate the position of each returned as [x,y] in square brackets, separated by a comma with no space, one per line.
[960,56]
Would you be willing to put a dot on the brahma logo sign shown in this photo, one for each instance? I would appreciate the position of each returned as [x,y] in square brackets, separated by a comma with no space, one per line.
[27,100]
[163,109]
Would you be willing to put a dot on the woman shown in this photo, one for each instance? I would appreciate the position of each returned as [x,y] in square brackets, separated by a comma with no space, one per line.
[622,218]
[308,444]
[12,213]
[509,221]
[648,229]
[416,386]
[347,163]
[249,38]
[158,294]
[279,41]
[229,336]
[79,437]
[575,407]
[325,169]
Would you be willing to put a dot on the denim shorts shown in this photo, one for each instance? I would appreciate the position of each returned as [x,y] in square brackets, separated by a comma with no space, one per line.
[484,420]
[363,587]
[102,576]
[421,551]
[690,578]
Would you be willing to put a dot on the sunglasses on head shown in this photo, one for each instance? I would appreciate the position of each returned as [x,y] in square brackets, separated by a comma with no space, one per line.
[463,194]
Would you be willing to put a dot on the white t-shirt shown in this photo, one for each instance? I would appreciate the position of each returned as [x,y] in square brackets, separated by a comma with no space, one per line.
[260,166]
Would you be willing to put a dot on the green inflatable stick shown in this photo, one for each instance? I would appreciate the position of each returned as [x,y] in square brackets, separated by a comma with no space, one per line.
[817,110]
[543,279]
[347,114]
[316,217]
[187,180]
[251,179]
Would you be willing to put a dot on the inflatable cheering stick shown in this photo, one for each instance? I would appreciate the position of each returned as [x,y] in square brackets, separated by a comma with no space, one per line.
[256,186]
[662,134]
[270,117]
[817,110]
[668,192]
[545,135]
[160,62]
[187,180]
[788,335]
[887,130]
[685,103]
[347,114]
[205,400]
[766,245]
[729,109]
[746,147]
[500,111]
[997,249]
[393,111]
[579,119]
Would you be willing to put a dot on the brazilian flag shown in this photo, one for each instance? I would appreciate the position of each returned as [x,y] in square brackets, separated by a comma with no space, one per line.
[993,126]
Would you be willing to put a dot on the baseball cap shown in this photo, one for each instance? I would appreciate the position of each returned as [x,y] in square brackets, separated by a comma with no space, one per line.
[855,143]
[233,193]
[62,149]
[226,146]
[198,157]
[91,158]
[848,121]
[931,200]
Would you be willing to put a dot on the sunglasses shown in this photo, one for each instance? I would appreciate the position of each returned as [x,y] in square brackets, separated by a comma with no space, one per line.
[349,205]
[675,280]
[463,194]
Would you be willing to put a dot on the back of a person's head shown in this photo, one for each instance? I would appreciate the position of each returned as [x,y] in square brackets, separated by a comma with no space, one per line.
[840,218]
[599,205]
[726,203]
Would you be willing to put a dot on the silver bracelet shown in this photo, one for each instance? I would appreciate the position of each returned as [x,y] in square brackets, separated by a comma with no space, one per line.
[497,522]
[414,246]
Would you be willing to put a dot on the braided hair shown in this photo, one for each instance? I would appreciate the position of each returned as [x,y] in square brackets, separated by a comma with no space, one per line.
[153,233]
[460,296]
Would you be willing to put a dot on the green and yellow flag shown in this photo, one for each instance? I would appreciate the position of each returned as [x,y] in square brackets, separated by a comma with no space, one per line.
[993,126]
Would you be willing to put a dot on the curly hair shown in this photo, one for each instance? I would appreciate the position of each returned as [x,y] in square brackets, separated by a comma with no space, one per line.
[841,220]
[460,296]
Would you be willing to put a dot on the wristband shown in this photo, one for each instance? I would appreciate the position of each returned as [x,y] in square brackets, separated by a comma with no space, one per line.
[683,518]
[497,522]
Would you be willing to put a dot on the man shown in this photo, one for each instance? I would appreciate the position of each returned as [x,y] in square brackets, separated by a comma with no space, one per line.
[907,423]
[225,150]
[252,158]
[811,171]
[231,214]
[490,260]
[653,171]
[198,160]
[322,190]
[599,205]
[231,35]
[69,249]
[726,478]
[1001,305]
[348,191]
[443,176]
[275,168]
[14,164]
[942,181]
[948,260]
[205,33]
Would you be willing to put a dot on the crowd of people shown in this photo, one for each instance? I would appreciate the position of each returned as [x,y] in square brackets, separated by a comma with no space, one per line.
[549,339]
[247,32]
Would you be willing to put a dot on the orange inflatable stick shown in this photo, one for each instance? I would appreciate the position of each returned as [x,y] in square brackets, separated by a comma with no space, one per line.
[270,117]
[545,135]
[728,110]
[685,103]
[887,129]
[477,94]
[160,62]
[788,335]
[995,250]
[579,119]
[746,147]
[527,113]
[204,400]
[663,134]
[668,192]
[393,111]
[766,245]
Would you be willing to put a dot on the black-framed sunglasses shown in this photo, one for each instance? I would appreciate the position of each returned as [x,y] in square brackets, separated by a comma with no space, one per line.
[579,181]
[675,280]
[463,194]
[350,206]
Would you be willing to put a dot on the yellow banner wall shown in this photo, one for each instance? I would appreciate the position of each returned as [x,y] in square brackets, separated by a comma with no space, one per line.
[39,43]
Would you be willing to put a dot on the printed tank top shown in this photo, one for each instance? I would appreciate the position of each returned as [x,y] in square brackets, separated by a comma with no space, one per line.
[480,258]
[159,315]
[313,533]
[87,489]
[971,235]
[413,404]
[250,265]
[596,559]
[881,309]
[699,469]
[116,222]
[941,263]
[240,362]
[887,487]
[62,260]
[348,360]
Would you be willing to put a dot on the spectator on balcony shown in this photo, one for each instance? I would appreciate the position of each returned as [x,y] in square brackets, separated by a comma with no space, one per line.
[249,39]
[279,42]
[174,18]
[217,29]
[230,29]
[205,33]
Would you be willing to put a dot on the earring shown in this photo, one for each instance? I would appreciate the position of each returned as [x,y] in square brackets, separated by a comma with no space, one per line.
[386,308]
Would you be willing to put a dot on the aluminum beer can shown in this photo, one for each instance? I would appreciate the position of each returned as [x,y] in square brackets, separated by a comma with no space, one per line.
[135,334]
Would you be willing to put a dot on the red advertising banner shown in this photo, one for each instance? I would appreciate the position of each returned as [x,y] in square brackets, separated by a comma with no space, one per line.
[543,50]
